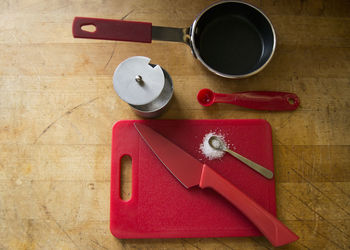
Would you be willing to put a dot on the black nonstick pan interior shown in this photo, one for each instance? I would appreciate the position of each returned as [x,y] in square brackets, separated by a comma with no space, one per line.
[234,38]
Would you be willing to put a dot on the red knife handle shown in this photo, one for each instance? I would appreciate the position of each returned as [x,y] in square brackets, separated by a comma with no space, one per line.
[273,229]
[110,29]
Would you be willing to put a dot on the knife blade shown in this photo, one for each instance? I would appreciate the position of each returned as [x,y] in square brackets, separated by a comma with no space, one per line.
[191,172]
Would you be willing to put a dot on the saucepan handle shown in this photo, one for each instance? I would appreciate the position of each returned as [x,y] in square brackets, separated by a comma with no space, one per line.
[273,229]
[110,29]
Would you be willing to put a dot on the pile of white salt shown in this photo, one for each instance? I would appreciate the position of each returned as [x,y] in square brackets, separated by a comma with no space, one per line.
[208,151]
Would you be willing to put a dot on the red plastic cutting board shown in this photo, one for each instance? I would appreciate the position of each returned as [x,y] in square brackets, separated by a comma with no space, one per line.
[160,207]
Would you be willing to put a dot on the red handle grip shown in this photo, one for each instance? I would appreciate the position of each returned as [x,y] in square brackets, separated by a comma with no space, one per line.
[109,29]
[261,100]
[277,233]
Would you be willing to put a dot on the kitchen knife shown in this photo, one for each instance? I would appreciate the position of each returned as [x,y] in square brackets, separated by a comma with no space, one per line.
[191,172]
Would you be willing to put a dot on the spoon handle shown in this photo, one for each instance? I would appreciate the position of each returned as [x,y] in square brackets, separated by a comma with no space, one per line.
[261,100]
[258,168]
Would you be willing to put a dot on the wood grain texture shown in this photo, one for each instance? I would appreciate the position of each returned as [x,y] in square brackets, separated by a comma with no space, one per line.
[57,108]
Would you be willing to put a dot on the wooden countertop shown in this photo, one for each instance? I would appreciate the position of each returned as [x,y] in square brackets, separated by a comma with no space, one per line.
[58,106]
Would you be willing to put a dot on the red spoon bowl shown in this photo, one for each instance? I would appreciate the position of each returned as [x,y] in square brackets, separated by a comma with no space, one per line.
[206,97]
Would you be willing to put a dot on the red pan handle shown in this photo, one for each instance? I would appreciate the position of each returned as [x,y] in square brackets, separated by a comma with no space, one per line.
[109,29]
[273,229]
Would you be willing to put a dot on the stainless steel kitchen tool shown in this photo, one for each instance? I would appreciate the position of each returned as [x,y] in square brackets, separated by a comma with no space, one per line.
[146,87]
[216,143]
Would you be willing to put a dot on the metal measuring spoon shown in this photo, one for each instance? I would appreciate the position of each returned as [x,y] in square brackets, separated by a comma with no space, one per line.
[216,143]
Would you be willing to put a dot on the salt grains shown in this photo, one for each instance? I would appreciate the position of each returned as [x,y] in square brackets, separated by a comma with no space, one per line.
[208,151]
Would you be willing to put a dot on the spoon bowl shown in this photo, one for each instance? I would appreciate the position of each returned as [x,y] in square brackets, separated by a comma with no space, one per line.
[206,97]
[216,143]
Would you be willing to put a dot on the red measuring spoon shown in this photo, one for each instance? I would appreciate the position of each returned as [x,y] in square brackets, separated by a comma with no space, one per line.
[260,100]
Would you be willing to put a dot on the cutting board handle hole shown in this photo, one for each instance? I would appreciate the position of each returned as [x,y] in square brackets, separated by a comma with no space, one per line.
[89,28]
[125,177]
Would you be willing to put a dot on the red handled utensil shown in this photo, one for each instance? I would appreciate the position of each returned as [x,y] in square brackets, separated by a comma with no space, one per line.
[260,100]
[191,172]
[230,38]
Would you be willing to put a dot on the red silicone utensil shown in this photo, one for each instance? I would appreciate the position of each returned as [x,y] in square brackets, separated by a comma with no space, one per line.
[106,29]
[260,100]
[191,172]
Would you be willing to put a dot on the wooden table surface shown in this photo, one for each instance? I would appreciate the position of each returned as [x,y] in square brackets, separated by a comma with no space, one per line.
[58,106]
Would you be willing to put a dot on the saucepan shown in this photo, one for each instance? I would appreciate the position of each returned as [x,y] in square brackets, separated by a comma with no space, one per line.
[232,39]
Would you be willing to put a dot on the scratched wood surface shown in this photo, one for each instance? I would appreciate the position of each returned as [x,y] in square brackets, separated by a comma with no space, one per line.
[57,108]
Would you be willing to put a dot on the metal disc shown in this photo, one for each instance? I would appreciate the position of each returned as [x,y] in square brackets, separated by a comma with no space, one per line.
[137,82]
